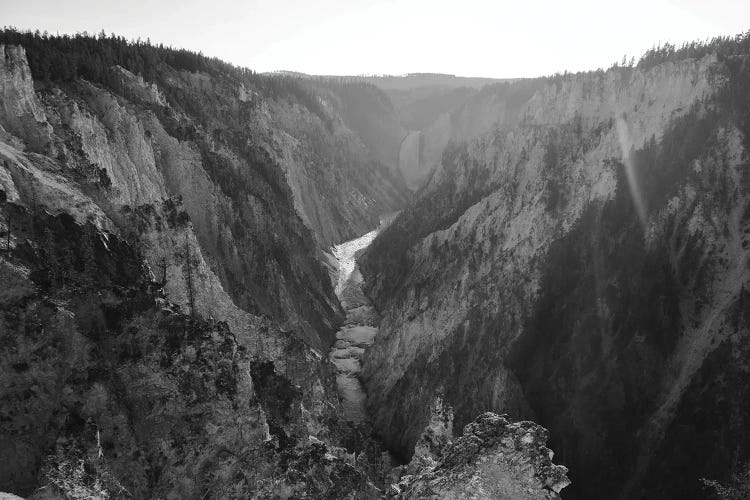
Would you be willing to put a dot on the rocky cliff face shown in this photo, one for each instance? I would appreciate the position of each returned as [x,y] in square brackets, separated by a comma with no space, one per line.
[583,263]
[167,314]
[117,155]
[341,170]
[212,143]
[23,116]
[539,100]
[110,392]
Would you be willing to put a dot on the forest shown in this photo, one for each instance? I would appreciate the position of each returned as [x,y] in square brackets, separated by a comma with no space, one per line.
[65,58]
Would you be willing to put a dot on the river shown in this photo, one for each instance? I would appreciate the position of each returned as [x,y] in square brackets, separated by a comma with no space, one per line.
[359,329]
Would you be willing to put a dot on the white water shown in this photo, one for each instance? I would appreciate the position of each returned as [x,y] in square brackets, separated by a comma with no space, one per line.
[345,255]
[359,329]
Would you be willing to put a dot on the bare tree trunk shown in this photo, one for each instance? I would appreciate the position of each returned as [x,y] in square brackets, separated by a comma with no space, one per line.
[163,272]
[8,221]
[189,279]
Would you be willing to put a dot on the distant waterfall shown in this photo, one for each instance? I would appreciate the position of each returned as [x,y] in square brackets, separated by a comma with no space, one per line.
[408,159]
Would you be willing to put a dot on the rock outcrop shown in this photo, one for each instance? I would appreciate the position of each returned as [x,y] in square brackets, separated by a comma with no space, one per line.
[22,115]
[493,459]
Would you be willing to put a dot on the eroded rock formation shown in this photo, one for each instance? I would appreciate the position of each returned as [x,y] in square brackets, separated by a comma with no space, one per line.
[492,459]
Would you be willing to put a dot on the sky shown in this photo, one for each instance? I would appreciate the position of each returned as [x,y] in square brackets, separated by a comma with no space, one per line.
[491,38]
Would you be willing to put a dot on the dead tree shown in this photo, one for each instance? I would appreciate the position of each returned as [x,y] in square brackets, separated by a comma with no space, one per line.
[8,222]
[163,265]
[189,279]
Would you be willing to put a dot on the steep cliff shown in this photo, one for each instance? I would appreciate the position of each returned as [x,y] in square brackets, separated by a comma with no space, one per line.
[23,117]
[167,311]
[584,262]
[212,138]
[342,170]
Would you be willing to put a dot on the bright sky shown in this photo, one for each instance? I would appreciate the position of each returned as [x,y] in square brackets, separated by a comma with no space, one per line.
[493,38]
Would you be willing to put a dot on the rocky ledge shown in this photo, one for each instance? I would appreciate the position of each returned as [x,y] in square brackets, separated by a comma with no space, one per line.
[493,459]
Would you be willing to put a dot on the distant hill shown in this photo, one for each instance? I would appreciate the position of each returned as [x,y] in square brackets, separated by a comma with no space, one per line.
[417,80]
[408,81]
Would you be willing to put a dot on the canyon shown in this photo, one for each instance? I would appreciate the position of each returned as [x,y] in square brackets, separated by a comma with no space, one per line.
[225,284]
[170,227]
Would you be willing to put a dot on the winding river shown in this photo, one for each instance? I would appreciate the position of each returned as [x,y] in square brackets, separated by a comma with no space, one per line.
[359,329]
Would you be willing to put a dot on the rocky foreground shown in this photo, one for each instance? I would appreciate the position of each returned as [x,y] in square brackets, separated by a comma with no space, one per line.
[493,458]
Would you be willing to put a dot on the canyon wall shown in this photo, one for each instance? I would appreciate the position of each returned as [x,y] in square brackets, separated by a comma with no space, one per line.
[166,312]
[583,261]
[439,116]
